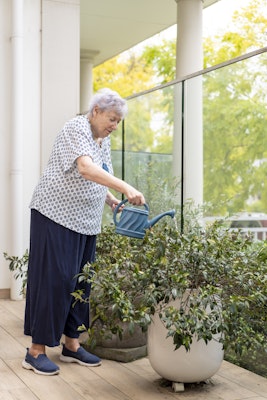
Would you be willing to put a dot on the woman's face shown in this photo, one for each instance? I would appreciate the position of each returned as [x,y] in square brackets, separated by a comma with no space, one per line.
[103,122]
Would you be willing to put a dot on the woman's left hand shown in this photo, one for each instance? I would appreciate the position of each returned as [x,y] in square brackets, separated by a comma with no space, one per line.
[113,202]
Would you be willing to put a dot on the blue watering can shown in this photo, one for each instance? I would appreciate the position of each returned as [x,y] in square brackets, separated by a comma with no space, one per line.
[134,221]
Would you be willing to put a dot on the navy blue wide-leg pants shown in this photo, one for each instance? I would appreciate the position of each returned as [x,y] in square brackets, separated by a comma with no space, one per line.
[56,256]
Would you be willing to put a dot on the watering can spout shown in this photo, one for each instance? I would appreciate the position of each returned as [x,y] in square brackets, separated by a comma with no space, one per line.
[158,217]
[134,221]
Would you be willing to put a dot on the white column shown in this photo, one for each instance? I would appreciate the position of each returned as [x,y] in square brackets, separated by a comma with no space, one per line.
[189,59]
[16,156]
[60,55]
[86,77]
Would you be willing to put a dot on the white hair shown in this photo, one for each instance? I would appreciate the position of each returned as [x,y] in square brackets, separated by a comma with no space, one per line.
[107,99]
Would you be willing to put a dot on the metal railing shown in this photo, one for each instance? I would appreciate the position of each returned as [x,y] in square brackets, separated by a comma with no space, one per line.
[257,233]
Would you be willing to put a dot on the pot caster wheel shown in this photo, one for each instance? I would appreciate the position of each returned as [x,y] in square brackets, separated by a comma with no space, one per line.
[177,387]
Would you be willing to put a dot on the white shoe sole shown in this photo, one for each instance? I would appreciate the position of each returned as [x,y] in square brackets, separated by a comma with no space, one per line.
[67,359]
[26,365]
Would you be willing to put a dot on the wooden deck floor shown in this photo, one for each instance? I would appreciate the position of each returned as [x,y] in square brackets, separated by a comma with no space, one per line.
[111,381]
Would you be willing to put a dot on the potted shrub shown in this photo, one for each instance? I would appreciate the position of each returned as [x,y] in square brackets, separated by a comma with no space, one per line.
[112,334]
[222,273]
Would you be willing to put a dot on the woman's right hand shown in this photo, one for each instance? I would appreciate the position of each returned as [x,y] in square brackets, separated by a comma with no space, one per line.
[89,170]
[134,196]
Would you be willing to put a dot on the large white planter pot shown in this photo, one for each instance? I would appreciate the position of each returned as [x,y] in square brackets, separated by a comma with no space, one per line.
[196,365]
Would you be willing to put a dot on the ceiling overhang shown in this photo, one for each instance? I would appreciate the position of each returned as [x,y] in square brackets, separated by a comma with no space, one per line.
[109,27]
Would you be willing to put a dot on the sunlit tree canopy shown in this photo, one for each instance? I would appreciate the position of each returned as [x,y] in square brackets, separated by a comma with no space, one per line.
[234,108]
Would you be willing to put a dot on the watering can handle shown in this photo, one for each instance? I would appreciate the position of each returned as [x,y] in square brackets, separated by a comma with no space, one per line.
[118,207]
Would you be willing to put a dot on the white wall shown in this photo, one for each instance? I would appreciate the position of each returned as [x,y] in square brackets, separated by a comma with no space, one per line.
[5,123]
[60,68]
[51,61]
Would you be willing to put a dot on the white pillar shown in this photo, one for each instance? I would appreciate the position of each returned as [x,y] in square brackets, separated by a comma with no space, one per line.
[16,156]
[60,66]
[86,76]
[189,58]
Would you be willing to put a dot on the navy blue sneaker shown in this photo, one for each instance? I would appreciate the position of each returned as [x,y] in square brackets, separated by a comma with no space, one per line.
[40,365]
[81,356]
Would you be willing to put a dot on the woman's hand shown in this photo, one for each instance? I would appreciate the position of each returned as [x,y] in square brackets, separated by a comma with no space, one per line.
[93,172]
[134,196]
[113,202]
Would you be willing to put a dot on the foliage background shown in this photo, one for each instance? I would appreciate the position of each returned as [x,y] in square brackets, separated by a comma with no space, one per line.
[234,110]
[234,121]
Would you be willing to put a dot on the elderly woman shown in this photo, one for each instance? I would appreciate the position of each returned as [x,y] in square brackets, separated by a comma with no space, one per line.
[66,213]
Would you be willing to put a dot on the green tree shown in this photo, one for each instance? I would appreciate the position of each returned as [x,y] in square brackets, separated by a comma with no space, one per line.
[235,146]
[127,73]
[234,138]
[248,32]
[162,60]
[234,109]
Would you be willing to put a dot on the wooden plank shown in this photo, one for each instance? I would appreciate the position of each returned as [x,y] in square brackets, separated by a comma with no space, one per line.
[111,381]
[244,378]
[10,347]
[17,394]
[131,384]
[44,387]
[89,384]
[142,367]
[8,380]
[11,321]
[14,307]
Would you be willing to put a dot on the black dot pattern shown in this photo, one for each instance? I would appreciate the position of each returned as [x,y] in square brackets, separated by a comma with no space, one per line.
[62,194]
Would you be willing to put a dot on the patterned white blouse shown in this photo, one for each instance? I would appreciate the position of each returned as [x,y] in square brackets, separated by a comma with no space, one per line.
[62,194]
